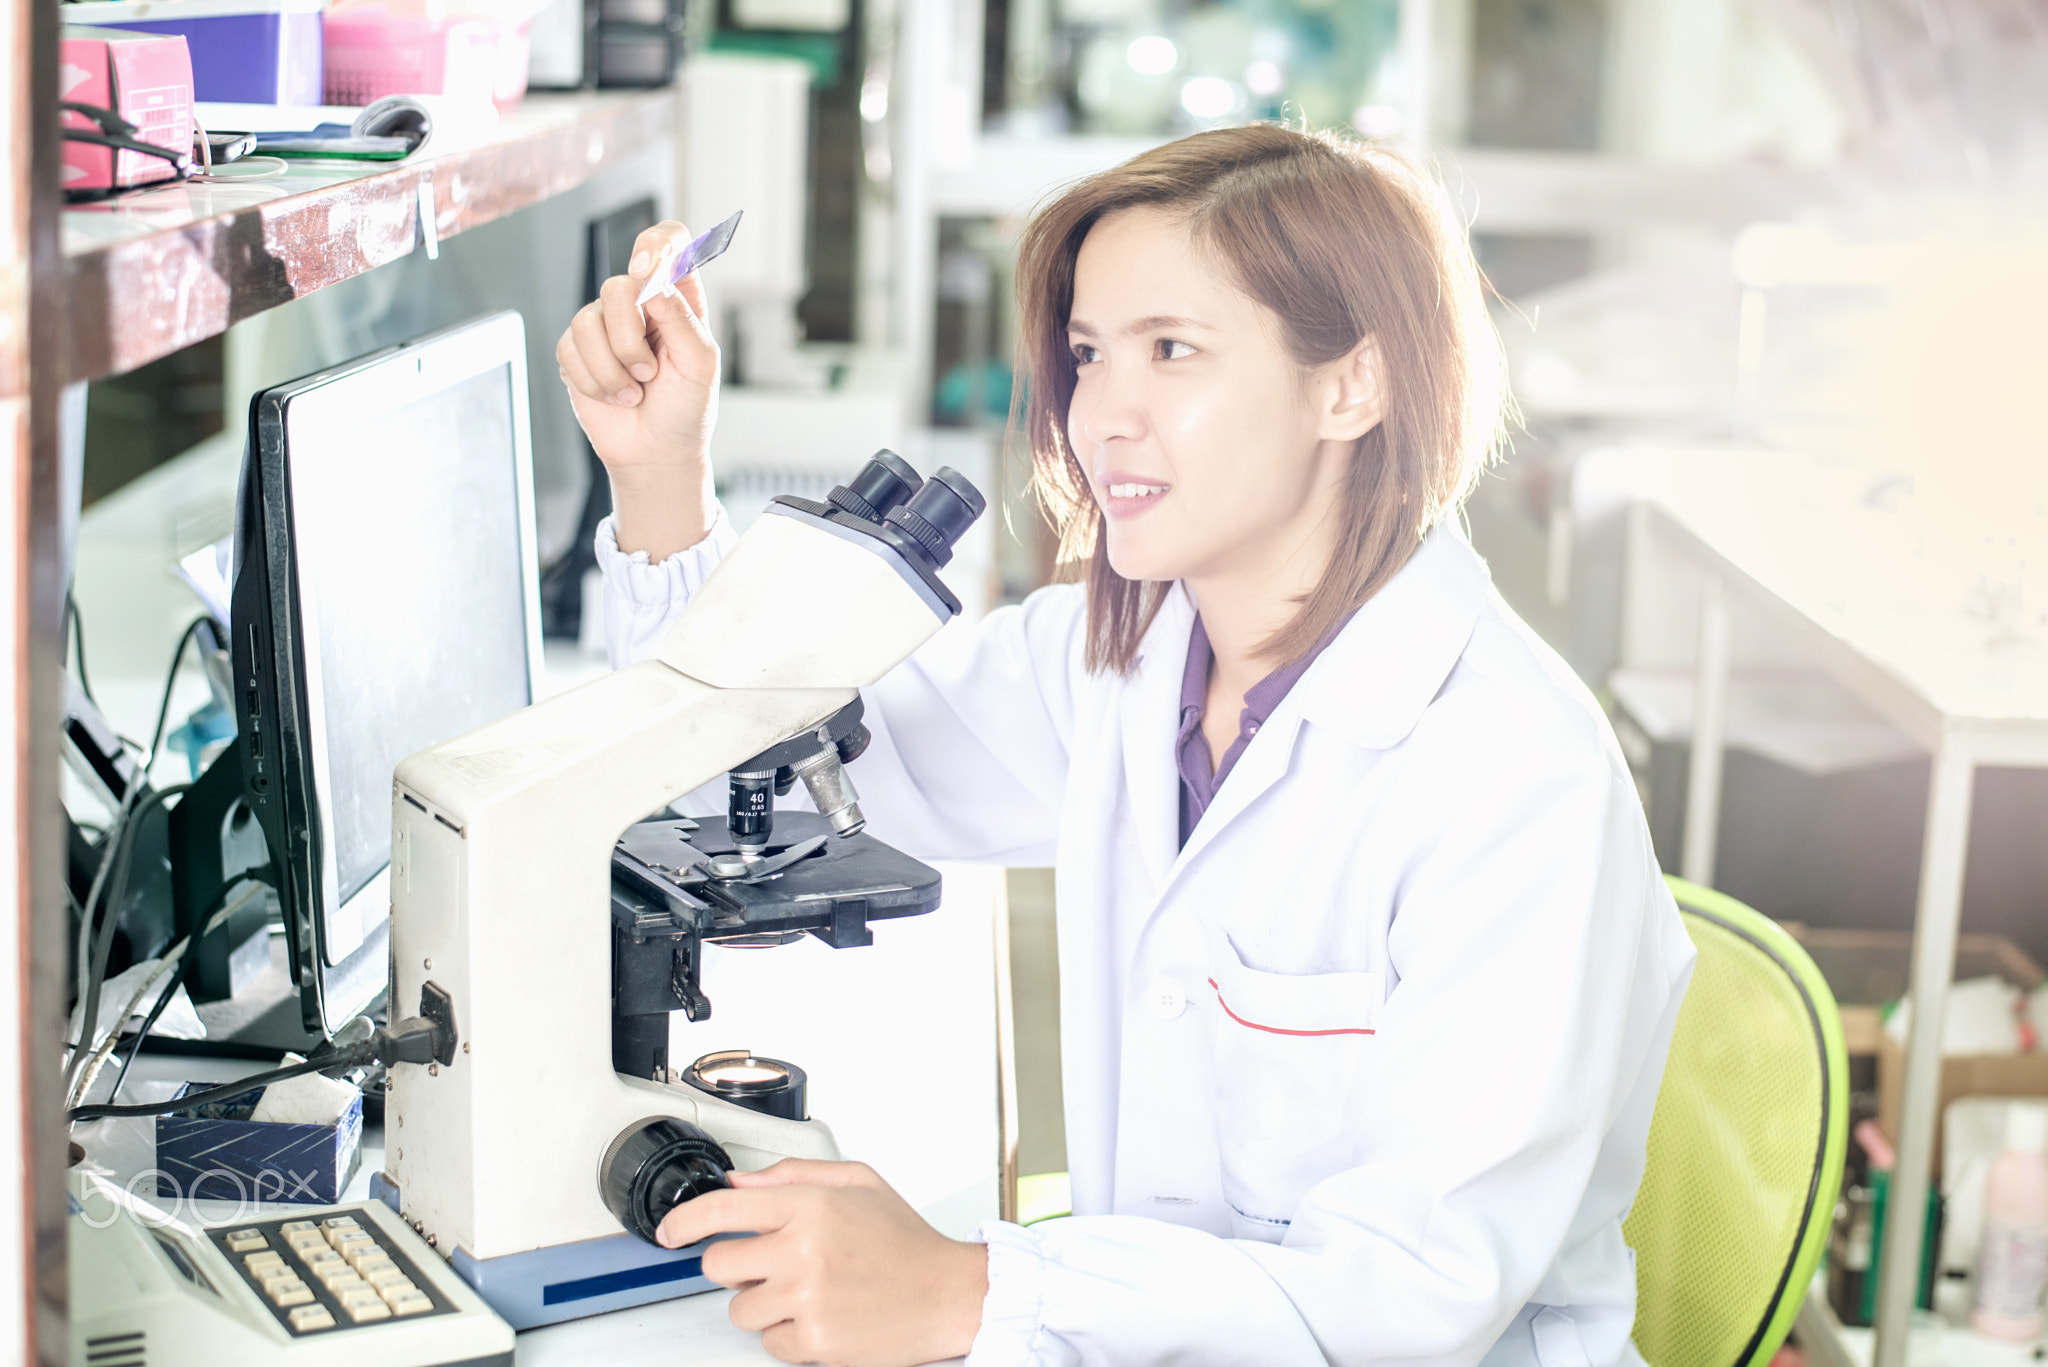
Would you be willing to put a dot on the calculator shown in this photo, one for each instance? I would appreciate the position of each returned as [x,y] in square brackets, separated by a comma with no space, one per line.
[327,1285]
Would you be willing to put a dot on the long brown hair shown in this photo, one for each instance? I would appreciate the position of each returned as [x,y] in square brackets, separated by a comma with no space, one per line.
[1342,240]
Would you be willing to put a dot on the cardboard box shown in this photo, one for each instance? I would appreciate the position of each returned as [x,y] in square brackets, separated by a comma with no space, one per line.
[146,78]
[1869,969]
[1962,1075]
[219,1154]
[243,51]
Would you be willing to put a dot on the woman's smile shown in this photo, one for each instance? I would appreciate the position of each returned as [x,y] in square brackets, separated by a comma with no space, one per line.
[1126,497]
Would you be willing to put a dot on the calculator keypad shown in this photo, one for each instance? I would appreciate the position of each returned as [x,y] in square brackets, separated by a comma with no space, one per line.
[329,1274]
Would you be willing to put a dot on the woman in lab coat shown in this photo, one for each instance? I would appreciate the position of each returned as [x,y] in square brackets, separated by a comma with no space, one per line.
[1367,972]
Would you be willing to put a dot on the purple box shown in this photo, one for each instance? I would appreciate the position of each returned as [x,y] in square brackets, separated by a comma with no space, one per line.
[243,51]
[219,1154]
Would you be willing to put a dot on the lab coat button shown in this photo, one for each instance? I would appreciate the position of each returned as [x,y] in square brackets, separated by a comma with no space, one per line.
[1167,999]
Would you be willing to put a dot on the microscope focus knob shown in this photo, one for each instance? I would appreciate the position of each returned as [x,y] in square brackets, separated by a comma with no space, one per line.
[939,512]
[654,1166]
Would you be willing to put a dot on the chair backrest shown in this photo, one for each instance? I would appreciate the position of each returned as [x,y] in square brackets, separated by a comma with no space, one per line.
[1746,1149]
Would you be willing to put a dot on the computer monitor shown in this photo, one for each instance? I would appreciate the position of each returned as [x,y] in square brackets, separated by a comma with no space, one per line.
[385,599]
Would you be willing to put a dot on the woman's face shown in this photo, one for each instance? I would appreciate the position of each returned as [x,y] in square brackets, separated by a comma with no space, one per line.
[1201,438]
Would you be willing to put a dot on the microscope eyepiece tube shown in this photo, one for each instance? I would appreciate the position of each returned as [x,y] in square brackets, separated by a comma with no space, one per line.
[885,481]
[831,789]
[941,510]
[750,810]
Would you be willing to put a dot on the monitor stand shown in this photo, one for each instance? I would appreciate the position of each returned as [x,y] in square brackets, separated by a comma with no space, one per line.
[264,1015]
[215,838]
[239,976]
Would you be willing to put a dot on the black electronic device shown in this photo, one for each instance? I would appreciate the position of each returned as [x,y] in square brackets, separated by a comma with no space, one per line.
[639,42]
[582,43]
[224,147]
[143,923]
[385,598]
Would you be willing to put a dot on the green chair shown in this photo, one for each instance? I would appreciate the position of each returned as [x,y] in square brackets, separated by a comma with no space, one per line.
[1043,1196]
[1746,1148]
[1745,1151]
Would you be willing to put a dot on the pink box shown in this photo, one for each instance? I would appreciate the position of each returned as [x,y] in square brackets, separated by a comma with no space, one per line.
[371,54]
[146,78]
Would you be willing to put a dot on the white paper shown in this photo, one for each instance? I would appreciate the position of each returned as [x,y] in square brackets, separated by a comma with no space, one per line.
[308,1100]
[179,1020]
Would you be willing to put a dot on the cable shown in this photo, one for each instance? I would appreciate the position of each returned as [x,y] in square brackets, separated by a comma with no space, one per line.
[109,922]
[163,1000]
[163,711]
[118,828]
[76,621]
[117,852]
[103,939]
[413,1040]
[91,1072]
[110,845]
[221,1093]
[215,912]
[243,168]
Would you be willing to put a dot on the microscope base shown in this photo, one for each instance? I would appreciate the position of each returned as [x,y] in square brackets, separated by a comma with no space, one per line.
[590,1277]
[527,1290]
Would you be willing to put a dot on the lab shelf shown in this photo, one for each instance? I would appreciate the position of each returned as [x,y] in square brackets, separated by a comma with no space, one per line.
[1827,1342]
[152,271]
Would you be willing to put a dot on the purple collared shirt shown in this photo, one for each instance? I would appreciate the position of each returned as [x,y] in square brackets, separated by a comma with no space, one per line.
[1197,784]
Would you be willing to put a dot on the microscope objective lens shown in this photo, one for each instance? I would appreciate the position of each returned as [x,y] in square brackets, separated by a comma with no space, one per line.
[750,810]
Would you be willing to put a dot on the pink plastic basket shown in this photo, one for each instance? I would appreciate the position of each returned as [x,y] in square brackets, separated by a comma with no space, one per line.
[371,54]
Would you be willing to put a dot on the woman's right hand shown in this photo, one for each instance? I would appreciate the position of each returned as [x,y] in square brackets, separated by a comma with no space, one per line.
[646,392]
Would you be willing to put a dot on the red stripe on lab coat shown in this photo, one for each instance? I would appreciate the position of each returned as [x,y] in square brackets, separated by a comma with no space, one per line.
[1274,1029]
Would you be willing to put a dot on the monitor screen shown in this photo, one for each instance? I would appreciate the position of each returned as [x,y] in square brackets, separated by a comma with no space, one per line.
[402,610]
[406,529]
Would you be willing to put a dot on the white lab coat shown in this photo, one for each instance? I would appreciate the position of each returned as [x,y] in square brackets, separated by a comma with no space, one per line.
[1364,1073]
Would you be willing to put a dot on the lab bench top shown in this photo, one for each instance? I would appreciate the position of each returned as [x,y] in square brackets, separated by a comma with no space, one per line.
[1931,596]
[693,1330]
[154,270]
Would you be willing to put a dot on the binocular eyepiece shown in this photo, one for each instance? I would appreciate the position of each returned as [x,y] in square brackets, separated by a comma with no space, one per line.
[927,515]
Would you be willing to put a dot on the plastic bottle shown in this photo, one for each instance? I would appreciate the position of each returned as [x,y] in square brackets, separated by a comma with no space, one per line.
[2012,1263]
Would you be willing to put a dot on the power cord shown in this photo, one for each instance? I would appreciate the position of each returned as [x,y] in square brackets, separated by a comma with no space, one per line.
[414,1040]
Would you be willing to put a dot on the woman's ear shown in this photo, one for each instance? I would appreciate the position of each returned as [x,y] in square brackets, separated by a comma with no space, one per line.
[1352,397]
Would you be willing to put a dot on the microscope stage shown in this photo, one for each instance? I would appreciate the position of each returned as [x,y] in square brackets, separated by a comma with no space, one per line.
[663,867]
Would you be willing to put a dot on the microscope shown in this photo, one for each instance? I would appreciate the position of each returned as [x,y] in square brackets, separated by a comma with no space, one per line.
[549,926]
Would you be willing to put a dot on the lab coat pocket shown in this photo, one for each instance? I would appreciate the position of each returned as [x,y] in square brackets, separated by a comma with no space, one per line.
[1293,1053]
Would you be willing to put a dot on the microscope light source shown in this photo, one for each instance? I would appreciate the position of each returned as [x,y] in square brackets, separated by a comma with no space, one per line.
[767,1085]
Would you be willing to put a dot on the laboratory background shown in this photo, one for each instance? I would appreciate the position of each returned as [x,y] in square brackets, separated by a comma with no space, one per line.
[294,492]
